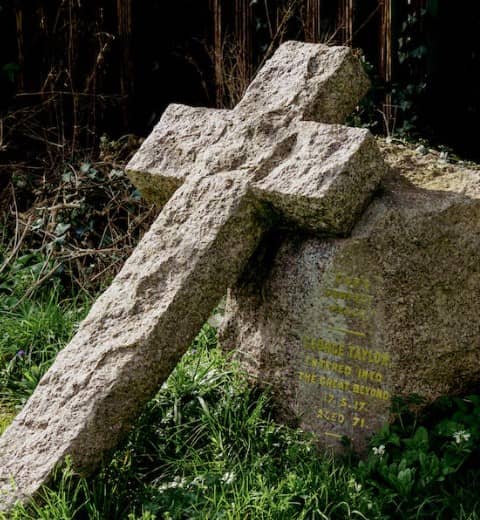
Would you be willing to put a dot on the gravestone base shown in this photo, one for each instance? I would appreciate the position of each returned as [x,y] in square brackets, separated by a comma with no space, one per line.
[336,327]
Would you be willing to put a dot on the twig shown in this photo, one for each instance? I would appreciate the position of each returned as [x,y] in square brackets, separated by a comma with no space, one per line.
[108,268]
[65,205]
[280,32]
[269,22]
[16,215]
[17,247]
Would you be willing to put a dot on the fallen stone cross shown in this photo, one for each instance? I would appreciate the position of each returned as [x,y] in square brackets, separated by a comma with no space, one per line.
[337,326]
[226,177]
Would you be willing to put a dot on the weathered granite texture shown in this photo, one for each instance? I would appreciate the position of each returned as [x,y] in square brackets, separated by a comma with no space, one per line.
[228,171]
[308,82]
[337,326]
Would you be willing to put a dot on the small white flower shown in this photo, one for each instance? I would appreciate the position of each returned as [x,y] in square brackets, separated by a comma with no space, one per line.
[380,451]
[177,482]
[355,485]
[228,477]
[461,436]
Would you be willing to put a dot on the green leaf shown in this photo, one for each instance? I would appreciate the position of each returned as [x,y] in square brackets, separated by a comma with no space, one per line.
[61,228]
[67,176]
[92,173]
[116,174]
[421,437]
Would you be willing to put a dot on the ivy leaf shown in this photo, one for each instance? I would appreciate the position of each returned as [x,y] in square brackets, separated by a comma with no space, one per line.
[61,228]
[85,167]
[92,173]
[67,176]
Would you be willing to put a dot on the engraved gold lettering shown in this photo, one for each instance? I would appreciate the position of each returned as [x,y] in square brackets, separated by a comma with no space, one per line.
[330,366]
[322,380]
[359,405]
[350,373]
[322,345]
[336,384]
[329,398]
[369,375]
[351,351]
[369,356]
[330,416]
[358,422]
[307,377]
[371,391]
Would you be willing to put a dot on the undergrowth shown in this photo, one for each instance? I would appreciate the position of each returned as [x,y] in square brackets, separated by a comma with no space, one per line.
[77,222]
[206,446]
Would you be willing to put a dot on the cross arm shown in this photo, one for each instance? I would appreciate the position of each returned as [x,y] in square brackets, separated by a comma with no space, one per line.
[167,157]
[326,180]
[301,81]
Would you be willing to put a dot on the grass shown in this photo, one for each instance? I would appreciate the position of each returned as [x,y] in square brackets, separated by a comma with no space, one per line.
[206,447]
[30,337]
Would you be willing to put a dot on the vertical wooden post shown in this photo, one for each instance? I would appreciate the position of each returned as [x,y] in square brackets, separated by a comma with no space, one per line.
[216,7]
[243,47]
[20,47]
[349,23]
[124,27]
[386,58]
[345,21]
[312,21]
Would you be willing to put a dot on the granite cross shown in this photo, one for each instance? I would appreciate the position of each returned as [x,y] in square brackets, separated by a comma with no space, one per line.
[227,177]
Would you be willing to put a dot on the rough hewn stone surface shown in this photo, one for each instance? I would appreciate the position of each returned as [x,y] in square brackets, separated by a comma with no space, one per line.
[307,81]
[135,333]
[306,187]
[230,164]
[338,326]
[169,154]
[300,82]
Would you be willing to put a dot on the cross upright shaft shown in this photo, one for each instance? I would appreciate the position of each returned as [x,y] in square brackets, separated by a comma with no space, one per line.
[223,173]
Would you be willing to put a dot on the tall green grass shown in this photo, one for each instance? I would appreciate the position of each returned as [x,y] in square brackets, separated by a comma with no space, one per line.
[32,330]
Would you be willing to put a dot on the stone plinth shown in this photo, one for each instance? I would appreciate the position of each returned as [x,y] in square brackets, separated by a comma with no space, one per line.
[336,327]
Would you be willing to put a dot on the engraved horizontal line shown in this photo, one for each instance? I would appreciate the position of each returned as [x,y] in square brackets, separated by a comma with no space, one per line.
[348,331]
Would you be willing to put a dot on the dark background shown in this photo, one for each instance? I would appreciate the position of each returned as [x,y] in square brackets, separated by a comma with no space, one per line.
[72,71]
